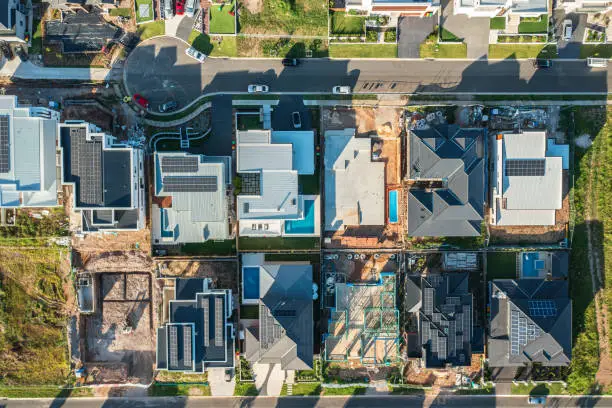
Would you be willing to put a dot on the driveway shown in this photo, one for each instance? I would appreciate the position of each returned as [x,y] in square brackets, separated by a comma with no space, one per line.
[218,386]
[411,32]
[474,31]
[571,48]
[269,379]
[281,115]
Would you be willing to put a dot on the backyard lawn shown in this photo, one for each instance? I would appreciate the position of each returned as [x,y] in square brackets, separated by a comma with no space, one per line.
[596,50]
[515,51]
[530,25]
[221,21]
[297,17]
[540,389]
[227,247]
[274,243]
[344,24]
[226,47]
[501,265]
[142,4]
[363,50]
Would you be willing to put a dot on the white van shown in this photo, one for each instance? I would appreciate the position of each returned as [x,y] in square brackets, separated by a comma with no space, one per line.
[597,62]
[168,9]
[190,8]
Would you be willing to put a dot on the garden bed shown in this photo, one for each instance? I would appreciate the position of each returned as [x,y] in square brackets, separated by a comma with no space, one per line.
[522,38]
[594,36]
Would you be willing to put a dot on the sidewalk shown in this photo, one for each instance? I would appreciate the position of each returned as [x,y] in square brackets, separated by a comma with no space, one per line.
[27,70]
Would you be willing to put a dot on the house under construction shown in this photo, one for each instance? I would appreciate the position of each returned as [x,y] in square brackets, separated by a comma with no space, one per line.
[364,324]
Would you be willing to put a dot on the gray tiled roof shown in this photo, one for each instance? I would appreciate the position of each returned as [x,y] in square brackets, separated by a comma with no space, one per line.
[446,320]
[454,156]
[519,333]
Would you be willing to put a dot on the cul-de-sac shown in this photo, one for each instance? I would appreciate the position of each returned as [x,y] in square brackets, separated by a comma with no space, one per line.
[305,203]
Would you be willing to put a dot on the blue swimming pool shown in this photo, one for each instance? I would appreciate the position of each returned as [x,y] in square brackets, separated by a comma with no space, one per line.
[165,233]
[531,264]
[393,206]
[305,225]
[250,283]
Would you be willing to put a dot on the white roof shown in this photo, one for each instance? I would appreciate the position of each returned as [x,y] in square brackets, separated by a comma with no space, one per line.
[354,184]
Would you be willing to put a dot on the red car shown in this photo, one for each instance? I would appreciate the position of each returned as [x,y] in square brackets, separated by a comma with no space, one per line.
[139,99]
[180,7]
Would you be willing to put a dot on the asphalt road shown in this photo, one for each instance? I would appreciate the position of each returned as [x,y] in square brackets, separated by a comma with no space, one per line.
[305,402]
[159,70]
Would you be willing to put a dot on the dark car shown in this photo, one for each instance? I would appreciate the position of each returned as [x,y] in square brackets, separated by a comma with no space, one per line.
[140,100]
[291,62]
[6,50]
[541,63]
[168,106]
[21,53]
[296,118]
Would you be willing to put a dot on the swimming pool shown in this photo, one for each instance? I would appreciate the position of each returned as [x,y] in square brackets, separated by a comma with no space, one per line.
[250,283]
[305,225]
[532,265]
[393,206]
[165,233]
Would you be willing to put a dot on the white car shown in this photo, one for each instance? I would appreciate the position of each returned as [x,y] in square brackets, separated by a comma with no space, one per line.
[342,90]
[567,29]
[195,54]
[258,88]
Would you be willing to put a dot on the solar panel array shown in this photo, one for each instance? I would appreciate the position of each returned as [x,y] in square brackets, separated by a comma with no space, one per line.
[188,361]
[4,144]
[522,331]
[179,164]
[428,300]
[173,346]
[218,322]
[86,165]
[542,308]
[525,167]
[205,311]
[196,184]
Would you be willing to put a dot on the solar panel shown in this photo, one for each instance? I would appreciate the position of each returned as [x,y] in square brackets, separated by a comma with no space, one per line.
[196,184]
[428,301]
[4,144]
[514,328]
[542,308]
[187,346]
[205,311]
[525,167]
[179,164]
[218,322]
[173,346]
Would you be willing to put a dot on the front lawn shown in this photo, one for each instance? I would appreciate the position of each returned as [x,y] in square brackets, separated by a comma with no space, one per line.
[274,243]
[281,47]
[354,390]
[301,389]
[540,389]
[221,21]
[363,50]
[225,47]
[446,35]
[246,389]
[176,390]
[143,18]
[430,48]
[596,50]
[518,51]
[344,24]
[498,23]
[153,29]
[501,265]
[530,25]
[297,17]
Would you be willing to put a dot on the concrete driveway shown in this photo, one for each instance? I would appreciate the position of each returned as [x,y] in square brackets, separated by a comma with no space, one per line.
[411,32]
[474,31]
[218,386]
[569,48]
[269,379]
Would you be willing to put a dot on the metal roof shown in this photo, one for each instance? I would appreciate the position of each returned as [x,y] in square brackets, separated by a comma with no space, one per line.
[81,32]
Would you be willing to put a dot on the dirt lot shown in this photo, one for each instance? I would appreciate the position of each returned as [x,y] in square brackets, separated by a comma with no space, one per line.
[117,261]
[383,121]
[223,274]
[367,269]
[353,371]
[121,332]
[94,113]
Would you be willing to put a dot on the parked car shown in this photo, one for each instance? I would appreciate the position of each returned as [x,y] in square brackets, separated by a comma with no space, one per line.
[141,100]
[537,400]
[168,106]
[180,7]
[597,62]
[541,63]
[258,88]
[291,62]
[21,53]
[297,120]
[6,50]
[168,9]
[228,375]
[195,54]
[190,8]
[343,90]
[567,29]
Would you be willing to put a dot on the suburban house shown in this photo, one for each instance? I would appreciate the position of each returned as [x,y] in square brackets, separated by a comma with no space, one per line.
[530,322]
[197,332]
[446,181]
[419,8]
[585,6]
[354,184]
[107,178]
[80,32]
[543,264]
[445,320]
[190,201]
[527,179]
[16,20]
[28,167]
[493,8]
[269,164]
[364,324]
[284,333]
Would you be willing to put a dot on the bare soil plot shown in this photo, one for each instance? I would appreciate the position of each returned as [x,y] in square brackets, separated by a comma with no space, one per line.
[222,273]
